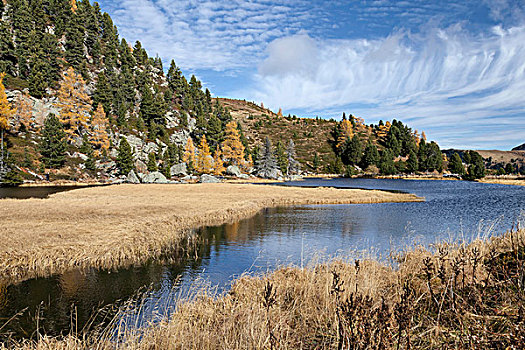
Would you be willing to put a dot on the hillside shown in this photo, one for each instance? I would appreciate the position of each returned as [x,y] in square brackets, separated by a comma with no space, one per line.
[496,159]
[310,136]
[519,148]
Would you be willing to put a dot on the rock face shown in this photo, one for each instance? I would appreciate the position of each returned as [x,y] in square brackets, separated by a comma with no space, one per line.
[155,178]
[132,178]
[519,148]
[207,179]
[233,171]
[273,174]
[179,170]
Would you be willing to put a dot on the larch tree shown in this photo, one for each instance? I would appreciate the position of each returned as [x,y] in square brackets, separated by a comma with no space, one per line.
[218,163]
[189,154]
[74,104]
[346,132]
[204,160]
[6,113]
[232,147]
[99,131]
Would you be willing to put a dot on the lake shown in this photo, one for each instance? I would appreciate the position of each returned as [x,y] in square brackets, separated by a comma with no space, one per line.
[455,210]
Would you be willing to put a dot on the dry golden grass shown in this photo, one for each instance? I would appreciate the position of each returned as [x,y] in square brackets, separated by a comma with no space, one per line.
[515,182]
[454,297]
[108,227]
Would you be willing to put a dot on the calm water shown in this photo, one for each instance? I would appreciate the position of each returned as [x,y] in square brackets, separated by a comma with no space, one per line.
[32,192]
[453,209]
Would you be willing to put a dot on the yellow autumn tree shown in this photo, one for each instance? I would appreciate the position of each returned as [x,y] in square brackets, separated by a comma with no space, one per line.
[189,154]
[347,132]
[204,161]
[74,104]
[74,5]
[218,163]
[24,110]
[383,130]
[99,131]
[6,112]
[232,147]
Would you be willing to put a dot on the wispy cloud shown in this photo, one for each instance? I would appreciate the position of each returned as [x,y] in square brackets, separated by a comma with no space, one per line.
[437,78]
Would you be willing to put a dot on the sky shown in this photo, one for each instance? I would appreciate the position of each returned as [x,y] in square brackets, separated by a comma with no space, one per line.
[454,69]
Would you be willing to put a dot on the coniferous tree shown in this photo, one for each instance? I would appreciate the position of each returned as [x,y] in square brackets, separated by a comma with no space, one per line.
[102,93]
[280,156]
[370,156]
[455,165]
[232,147]
[124,157]
[218,163]
[53,142]
[189,155]
[412,164]
[6,113]
[386,164]
[293,164]
[476,169]
[266,162]
[352,151]
[204,161]
[152,162]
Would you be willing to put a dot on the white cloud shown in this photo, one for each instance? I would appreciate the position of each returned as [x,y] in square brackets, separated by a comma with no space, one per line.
[442,79]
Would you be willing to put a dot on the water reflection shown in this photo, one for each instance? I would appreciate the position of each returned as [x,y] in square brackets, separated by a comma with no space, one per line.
[273,237]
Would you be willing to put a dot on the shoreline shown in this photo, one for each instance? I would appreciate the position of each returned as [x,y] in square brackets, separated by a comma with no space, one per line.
[117,226]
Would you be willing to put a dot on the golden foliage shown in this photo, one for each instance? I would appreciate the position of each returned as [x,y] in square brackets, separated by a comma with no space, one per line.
[218,163]
[74,103]
[346,133]
[204,161]
[6,111]
[99,134]
[189,153]
[383,130]
[232,147]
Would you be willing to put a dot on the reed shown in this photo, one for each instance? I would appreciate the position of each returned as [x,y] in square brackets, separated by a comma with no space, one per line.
[453,296]
[117,226]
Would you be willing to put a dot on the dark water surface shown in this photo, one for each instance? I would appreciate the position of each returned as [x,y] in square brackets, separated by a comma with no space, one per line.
[274,237]
[33,192]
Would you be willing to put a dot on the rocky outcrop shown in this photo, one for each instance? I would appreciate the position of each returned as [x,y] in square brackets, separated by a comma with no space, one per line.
[179,170]
[132,178]
[206,179]
[155,178]
[273,174]
[233,170]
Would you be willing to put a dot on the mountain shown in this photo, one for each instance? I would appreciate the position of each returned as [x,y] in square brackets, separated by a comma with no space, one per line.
[519,148]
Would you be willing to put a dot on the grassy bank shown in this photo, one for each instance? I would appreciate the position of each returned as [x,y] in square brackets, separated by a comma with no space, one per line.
[515,182]
[453,297]
[116,226]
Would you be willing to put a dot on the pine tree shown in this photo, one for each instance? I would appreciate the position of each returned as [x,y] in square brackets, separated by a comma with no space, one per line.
[280,156]
[125,157]
[53,143]
[6,113]
[204,164]
[74,104]
[412,164]
[455,165]
[352,151]
[102,93]
[266,162]
[293,164]
[370,156]
[152,162]
[99,131]
[232,147]
[386,164]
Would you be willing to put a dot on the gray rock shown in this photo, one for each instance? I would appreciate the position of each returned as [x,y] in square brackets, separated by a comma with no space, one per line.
[244,176]
[132,178]
[205,178]
[179,170]
[189,178]
[180,137]
[233,171]
[141,166]
[273,174]
[296,177]
[155,178]
[80,155]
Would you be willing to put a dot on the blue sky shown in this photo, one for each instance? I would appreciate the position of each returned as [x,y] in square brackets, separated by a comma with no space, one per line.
[453,69]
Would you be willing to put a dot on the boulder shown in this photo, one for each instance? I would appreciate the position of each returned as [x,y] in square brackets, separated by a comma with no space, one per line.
[179,170]
[132,178]
[141,166]
[244,176]
[155,178]
[273,174]
[296,178]
[206,179]
[233,171]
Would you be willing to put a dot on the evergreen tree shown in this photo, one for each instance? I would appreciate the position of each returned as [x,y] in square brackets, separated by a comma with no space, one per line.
[455,165]
[6,113]
[293,164]
[386,164]
[352,151]
[370,156]
[102,93]
[124,157]
[280,156]
[152,162]
[392,142]
[412,164]
[476,169]
[53,143]
[266,162]
[75,43]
